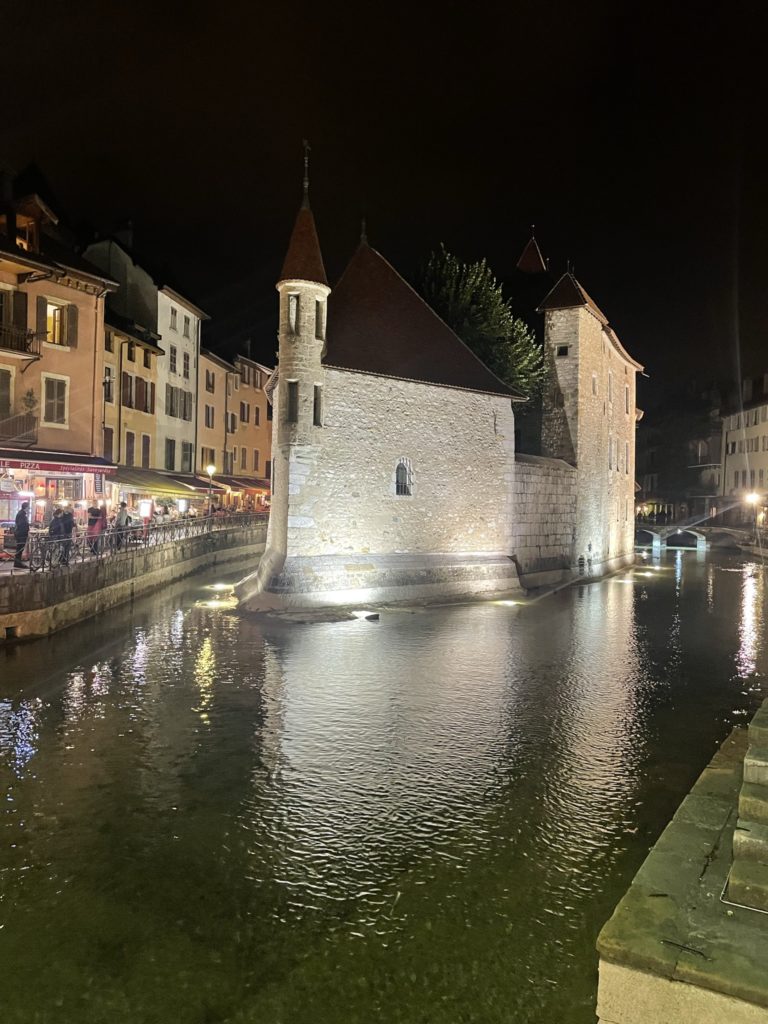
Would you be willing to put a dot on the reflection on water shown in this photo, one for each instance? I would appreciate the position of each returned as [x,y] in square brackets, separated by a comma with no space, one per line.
[422,818]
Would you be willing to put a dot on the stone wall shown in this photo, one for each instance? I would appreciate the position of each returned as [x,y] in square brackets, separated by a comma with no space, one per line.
[544,519]
[36,604]
[460,448]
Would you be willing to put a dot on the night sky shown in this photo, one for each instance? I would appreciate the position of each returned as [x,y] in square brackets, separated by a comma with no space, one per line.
[633,136]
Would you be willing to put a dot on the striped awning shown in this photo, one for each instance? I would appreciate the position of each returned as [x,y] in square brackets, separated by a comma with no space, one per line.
[154,482]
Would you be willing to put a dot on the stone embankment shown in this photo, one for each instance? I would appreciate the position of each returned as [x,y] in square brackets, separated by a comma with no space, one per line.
[36,604]
[689,940]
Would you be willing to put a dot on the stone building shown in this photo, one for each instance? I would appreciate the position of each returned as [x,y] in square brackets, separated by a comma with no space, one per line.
[394,470]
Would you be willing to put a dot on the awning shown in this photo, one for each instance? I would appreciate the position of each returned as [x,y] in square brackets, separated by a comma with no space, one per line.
[53,462]
[235,483]
[151,481]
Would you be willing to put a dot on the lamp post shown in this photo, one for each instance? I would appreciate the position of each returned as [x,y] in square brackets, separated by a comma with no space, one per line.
[210,469]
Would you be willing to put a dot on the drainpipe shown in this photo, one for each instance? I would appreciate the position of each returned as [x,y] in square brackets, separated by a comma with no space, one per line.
[119,400]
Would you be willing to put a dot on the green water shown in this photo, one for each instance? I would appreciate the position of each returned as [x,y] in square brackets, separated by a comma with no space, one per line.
[206,818]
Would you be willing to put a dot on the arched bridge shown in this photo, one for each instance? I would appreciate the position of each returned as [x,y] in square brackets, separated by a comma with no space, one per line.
[693,527]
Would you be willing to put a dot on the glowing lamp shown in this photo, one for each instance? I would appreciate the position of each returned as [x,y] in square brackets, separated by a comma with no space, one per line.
[145,509]
[752,498]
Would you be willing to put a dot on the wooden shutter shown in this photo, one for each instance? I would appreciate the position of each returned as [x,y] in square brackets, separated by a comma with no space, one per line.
[141,392]
[145,451]
[108,443]
[126,386]
[42,317]
[151,397]
[69,315]
[168,400]
[20,310]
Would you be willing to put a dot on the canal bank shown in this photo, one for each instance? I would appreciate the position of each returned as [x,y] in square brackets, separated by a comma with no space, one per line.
[34,605]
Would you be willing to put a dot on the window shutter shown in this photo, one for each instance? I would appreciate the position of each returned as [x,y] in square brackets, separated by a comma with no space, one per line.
[71,338]
[168,400]
[20,310]
[140,394]
[42,317]
[151,397]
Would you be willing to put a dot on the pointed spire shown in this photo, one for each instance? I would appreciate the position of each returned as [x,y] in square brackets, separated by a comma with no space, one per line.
[304,260]
[305,197]
[531,261]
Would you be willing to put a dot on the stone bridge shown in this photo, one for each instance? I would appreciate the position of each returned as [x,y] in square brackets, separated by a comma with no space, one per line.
[704,536]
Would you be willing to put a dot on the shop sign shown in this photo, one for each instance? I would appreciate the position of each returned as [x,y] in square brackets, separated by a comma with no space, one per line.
[52,467]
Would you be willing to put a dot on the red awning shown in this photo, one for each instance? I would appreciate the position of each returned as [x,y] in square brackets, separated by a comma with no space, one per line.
[53,462]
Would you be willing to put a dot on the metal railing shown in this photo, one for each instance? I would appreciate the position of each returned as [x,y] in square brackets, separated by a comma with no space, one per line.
[21,429]
[45,554]
[19,339]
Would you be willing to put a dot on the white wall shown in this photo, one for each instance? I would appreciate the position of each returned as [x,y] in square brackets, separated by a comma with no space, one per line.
[170,426]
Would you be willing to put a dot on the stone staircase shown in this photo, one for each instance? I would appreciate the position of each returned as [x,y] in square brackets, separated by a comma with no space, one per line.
[748,882]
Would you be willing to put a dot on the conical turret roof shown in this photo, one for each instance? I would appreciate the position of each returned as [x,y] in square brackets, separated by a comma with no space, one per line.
[304,261]
[531,261]
[567,294]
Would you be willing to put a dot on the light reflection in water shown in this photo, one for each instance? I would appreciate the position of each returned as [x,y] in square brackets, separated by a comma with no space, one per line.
[751,623]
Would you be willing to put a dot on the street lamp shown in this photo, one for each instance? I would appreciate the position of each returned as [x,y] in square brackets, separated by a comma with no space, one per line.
[210,469]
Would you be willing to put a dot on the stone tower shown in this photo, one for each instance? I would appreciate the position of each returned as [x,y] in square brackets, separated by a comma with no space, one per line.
[297,403]
[588,420]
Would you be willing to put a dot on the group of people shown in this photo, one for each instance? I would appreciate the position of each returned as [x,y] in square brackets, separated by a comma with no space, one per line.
[60,529]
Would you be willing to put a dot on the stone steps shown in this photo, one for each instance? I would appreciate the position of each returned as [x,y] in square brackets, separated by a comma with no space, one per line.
[748,884]
[753,803]
[750,842]
[758,728]
[756,765]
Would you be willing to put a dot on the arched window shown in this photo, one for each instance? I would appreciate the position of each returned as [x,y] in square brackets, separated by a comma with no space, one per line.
[403,478]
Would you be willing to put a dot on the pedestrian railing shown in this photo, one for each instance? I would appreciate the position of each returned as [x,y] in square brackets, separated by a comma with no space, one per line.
[44,554]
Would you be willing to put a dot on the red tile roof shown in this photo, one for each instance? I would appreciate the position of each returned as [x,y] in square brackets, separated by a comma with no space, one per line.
[304,261]
[567,294]
[378,324]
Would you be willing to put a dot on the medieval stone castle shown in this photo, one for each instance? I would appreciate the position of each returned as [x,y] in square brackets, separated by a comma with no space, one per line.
[395,476]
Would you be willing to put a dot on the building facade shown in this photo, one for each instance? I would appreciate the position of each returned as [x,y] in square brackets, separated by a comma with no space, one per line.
[178,325]
[51,365]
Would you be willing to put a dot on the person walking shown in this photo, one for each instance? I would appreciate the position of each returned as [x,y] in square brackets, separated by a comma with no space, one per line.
[121,524]
[55,537]
[22,535]
[93,529]
[68,526]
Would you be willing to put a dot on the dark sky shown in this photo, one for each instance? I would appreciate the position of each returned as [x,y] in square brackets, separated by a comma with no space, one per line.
[632,135]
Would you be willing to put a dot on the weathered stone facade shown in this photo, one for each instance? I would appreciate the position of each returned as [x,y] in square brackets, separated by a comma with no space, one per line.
[544,518]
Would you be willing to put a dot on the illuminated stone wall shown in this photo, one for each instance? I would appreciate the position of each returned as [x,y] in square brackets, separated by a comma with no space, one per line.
[544,518]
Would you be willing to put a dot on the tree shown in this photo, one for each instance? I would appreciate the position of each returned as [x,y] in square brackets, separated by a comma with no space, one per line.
[470,300]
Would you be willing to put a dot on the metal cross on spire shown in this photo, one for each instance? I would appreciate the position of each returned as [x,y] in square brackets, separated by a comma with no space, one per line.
[305,199]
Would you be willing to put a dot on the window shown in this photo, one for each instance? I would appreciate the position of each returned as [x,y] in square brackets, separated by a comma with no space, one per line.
[751,478]
[743,478]
[185,364]
[317,411]
[186,327]
[626,399]
[131,352]
[243,458]
[187,451]
[268,469]
[610,453]
[561,351]
[108,443]
[245,373]
[626,456]
[736,478]
[761,478]
[126,387]
[403,478]
[109,384]
[56,400]
[207,457]
[255,460]
[210,381]
[172,359]
[54,324]
[292,412]
[594,383]
[245,412]
[170,454]
[610,386]
[320,320]
[256,415]
[145,449]
[293,313]
[130,447]
[231,423]
[109,341]
[209,420]
[174,316]
[147,359]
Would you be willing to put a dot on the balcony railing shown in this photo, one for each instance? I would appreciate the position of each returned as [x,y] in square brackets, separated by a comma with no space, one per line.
[19,339]
[21,430]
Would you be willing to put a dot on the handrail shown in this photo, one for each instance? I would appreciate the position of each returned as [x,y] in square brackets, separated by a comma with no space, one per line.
[45,554]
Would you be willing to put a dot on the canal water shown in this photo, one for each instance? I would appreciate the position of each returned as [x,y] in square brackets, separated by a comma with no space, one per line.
[207,818]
